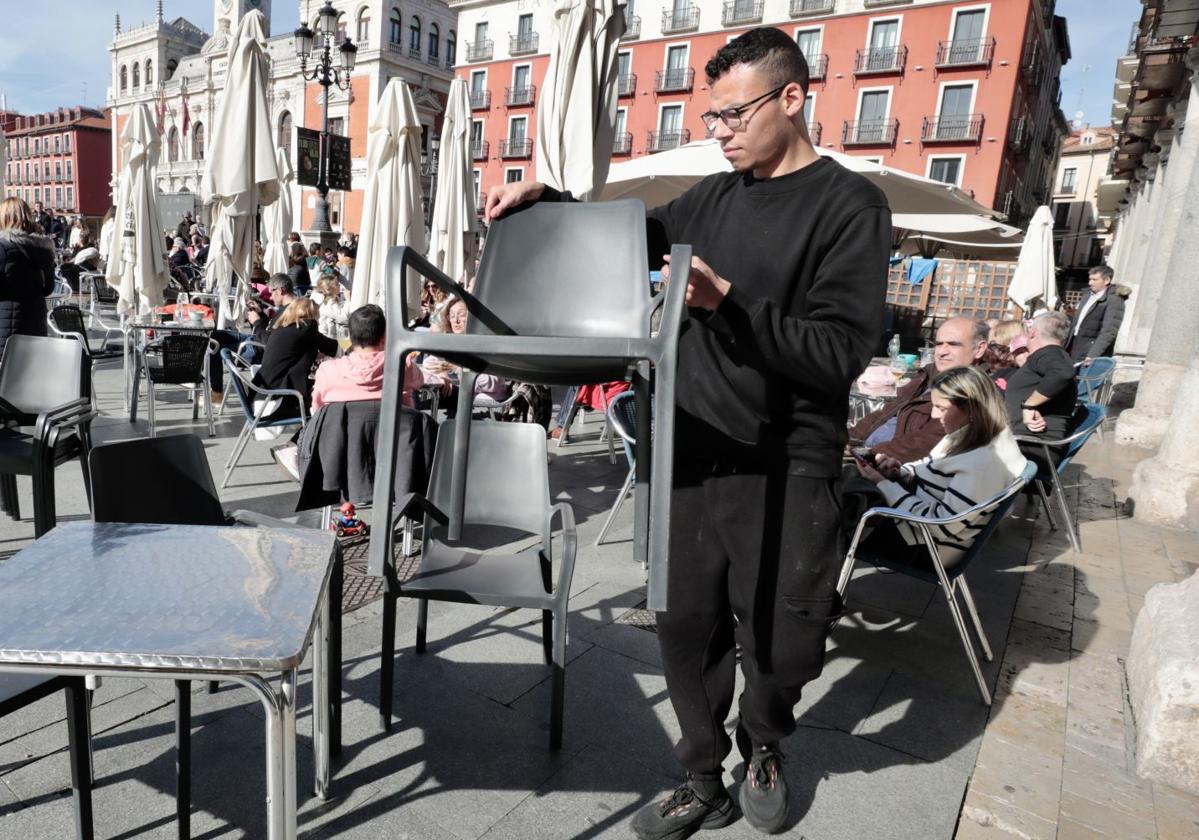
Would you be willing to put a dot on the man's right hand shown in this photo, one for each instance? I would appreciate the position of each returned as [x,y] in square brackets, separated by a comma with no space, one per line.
[503,197]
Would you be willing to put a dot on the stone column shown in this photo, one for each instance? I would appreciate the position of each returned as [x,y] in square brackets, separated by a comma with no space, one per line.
[1175,327]
[1133,248]
[1165,488]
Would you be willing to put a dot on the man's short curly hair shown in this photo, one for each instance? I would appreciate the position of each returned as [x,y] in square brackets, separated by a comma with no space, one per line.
[767,48]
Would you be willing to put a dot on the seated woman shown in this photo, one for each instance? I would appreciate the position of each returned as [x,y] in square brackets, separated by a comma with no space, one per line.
[438,371]
[1006,351]
[178,257]
[291,351]
[334,308]
[976,460]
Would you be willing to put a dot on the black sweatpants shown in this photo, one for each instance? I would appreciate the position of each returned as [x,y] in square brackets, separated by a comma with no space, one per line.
[751,540]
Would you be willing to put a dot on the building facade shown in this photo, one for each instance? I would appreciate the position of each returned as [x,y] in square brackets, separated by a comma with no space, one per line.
[61,159]
[1080,234]
[179,68]
[959,90]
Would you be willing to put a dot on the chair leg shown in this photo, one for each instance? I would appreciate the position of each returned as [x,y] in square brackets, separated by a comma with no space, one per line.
[79,745]
[422,624]
[12,502]
[45,516]
[956,612]
[183,753]
[150,403]
[547,635]
[558,681]
[1067,519]
[978,625]
[387,658]
[1045,503]
[624,492]
[213,686]
[406,548]
[238,449]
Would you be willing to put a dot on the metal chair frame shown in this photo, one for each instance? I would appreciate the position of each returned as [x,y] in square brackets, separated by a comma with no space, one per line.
[239,369]
[629,443]
[948,581]
[194,387]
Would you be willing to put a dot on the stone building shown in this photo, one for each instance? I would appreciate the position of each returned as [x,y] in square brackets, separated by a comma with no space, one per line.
[1081,236]
[178,67]
[61,159]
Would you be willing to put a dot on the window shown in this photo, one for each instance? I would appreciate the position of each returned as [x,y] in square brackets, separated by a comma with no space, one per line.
[57,144]
[967,43]
[511,176]
[478,177]
[524,26]
[37,145]
[149,72]
[172,66]
[198,141]
[451,48]
[516,130]
[57,170]
[37,194]
[480,32]
[66,143]
[953,120]
[37,172]
[337,125]
[622,122]
[670,120]
[342,28]
[809,104]
[397,27]
[872,116]
[1069,177]
[364,26]
[809,43]
[476,139]
[520,79]
[137,75]
[173,145]
[883,53]
[947,170]
[1061,215]
[285,132]
[624,64]
[70,197]
[124,79]
[1088,139]
[70,171]
[434,41]
[414,35]
[58,196]
[478,83]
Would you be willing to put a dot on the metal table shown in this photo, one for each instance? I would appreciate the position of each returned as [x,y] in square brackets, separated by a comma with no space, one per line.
[134,349]
[237,604]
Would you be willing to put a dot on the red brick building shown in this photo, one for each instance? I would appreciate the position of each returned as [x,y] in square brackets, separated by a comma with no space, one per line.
[965,91]
[62,159]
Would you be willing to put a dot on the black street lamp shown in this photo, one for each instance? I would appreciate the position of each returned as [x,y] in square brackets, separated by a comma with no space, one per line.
[327,75]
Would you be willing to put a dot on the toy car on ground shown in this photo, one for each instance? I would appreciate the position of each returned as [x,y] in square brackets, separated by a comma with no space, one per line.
[348,524]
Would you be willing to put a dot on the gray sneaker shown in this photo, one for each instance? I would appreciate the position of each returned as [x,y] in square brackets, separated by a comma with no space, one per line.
[763,794]
[683,813]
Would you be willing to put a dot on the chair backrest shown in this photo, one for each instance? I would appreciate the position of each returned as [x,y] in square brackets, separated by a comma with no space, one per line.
[68,319]
[104,292]
[622,414]
[997,508]
[235,373]
[1092,377]
[1091,415]
[161,480]
[567,270]
[507,480]
[183,357]
[39,373]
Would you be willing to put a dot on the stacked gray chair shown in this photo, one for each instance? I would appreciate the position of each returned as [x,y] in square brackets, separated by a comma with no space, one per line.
[562,296]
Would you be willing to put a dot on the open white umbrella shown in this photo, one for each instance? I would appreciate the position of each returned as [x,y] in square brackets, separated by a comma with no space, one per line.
[240,172]
[576,113]
[391,207]
[453,223]
[659,178]
[1034,283]
[136,268]
[277,219]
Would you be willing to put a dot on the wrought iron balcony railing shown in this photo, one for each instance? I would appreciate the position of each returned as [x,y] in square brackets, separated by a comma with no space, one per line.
[515,97]
[869,132]
[674,79]
[661,141]
[622,144]
[965,53]
[817,66]
[479,150]
[626,85]
[805,8]
[737,12]
[632,26]
[480,100]
[523,43]
[519,147]
[964,128]
[680,19]
[881,60]
[480,51]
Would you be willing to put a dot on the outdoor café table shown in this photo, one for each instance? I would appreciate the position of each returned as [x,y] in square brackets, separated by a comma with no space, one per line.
[184,602]
[135,345]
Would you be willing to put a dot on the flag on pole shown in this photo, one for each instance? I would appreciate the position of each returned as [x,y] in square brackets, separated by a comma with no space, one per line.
[187,117]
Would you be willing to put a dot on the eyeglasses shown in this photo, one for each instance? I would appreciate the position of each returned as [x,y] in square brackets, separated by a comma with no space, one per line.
[732,117]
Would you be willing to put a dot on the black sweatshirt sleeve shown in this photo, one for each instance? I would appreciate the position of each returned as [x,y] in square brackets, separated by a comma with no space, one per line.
[1057,374]
[834,342]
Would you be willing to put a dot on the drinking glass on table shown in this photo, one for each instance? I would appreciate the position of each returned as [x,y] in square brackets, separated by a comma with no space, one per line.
[899,369]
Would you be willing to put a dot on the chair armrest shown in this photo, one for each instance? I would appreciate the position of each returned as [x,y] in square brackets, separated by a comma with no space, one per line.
[411,503]
[570,543]
[250,517]
[279,392]
[1059,442]
[249,342]
[672,302]
[74,413]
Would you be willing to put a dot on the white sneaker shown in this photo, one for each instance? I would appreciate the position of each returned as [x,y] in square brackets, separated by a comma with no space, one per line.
[287,456]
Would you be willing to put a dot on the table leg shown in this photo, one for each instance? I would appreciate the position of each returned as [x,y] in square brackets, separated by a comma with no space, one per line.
[276,800]
[334,656]
[80,748]
[183,760]
[320,702]
[287,713]
[135,387]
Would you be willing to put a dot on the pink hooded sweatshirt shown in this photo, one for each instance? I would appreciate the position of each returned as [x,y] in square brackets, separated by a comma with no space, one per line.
[359,376]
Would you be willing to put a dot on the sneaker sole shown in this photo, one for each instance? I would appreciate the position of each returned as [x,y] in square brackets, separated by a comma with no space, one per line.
[772,827]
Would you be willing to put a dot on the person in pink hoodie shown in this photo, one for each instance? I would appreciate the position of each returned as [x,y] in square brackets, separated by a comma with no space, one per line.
[358,375]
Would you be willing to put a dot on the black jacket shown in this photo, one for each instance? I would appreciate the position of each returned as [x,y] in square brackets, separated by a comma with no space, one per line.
[1097,334]
[26,277]
[1050,373]
[288,359]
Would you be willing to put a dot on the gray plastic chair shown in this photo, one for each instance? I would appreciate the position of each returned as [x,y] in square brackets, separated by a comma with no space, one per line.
[507,486]
[562,296]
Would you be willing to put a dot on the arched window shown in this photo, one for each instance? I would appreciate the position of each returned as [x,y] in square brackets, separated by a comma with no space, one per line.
[173,145]
[397,27]
[149,72]
[198,141]
[451,48]
[137,75]
[172,65]
[124,78]
[364,27]
[434,41]
[285,132]
[341,28]
[414,35]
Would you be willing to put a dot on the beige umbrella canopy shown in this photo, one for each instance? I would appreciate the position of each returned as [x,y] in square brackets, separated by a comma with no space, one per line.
[240,172]
[277,219]
[1034,283]
[576,113]
[136,268]
[454,224]
[391,207]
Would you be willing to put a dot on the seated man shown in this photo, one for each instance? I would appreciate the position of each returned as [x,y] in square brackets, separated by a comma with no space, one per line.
[282,292]
[1041,395]
[904,429]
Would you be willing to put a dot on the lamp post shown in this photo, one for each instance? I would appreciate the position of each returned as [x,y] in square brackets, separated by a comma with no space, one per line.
[327,75]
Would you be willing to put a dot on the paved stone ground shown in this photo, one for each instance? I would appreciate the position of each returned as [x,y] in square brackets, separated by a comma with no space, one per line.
[888,744]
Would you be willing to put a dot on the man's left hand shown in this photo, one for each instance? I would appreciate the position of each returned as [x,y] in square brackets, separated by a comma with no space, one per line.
[705,289]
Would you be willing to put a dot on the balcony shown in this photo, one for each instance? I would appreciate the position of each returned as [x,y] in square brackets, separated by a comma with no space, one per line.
[738,12]
[479,150]
[809,8]
[480,100]
[1067,190]
[1031,65]
[480,51]
[880,60]
[680,20]
[674,80]
[1019,136]
[414,52]
[966,128]
[662,141]
[815,131]
[523,43]
[626,85]
[515,97]
[869,132]
[435,60]
[632,26]
[817,66]
[514,148]
[879,4]
[622,144]
[965,53]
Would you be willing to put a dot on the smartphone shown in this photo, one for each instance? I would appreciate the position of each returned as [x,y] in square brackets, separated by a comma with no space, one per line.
[864,454]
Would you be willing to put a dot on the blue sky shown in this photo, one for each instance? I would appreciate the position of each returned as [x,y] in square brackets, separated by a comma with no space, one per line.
[54,53]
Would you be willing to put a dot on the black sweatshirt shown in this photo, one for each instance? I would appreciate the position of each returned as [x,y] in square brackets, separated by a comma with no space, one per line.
[1050,372]
[806,254]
